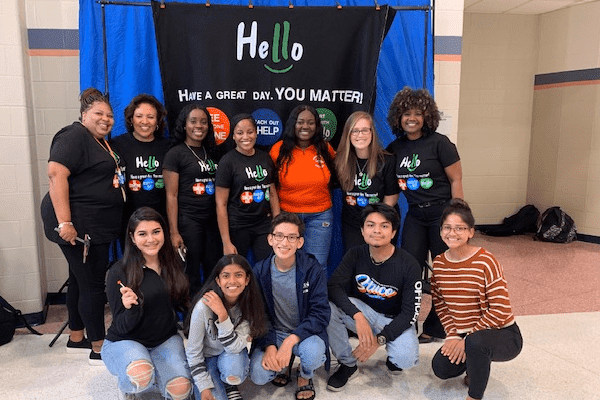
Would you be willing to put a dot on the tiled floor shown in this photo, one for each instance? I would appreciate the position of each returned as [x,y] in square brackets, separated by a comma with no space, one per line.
[555,290]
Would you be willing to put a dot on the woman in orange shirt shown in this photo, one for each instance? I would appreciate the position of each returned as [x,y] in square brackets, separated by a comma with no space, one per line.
[304,161]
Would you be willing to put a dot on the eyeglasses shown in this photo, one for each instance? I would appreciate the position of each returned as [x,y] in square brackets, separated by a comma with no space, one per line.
[363,131]
[457,229]
[280,236]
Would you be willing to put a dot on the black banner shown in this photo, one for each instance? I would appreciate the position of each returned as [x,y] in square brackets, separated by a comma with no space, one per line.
[267,60]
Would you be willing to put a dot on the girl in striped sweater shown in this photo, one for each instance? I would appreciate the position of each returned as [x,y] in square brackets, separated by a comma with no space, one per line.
[471,298]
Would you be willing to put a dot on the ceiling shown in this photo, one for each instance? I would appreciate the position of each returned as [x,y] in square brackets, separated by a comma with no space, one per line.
[519,6]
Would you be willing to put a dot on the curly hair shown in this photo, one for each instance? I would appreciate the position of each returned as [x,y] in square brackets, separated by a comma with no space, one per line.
[144,98]
[408,99]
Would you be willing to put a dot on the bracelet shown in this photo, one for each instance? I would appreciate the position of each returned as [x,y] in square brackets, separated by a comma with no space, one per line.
[63,224]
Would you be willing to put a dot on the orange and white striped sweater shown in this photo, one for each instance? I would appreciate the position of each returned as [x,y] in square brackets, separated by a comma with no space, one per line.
[470,295]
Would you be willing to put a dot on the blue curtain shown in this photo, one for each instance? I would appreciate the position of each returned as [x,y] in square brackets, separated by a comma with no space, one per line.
[133,68]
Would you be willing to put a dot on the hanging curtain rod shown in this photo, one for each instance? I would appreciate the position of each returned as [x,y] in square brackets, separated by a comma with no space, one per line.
[337,5]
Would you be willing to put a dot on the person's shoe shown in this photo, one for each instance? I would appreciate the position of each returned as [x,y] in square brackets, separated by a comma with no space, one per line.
[233,393]
[96,358]
[392,368]
[338,380]
[82,346]
[466,380]
[423,338]
[127,396]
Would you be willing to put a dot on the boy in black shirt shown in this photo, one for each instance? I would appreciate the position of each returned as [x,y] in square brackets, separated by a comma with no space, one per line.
[375,291]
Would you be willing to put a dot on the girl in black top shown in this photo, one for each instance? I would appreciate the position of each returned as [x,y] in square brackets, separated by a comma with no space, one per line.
[429,174]
[246,195]
[144,288]
[84,198]
[366,174]
[190,168]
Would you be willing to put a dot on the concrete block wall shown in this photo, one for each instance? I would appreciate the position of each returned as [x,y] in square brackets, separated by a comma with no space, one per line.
[22,278]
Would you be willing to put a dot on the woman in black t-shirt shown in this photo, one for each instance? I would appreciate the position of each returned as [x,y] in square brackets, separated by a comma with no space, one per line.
[366,174]
[189,169]
[246,195]
[84,198]
[141,153]
[429,174]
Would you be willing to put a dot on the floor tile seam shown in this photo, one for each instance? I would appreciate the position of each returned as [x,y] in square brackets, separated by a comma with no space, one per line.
[567,360]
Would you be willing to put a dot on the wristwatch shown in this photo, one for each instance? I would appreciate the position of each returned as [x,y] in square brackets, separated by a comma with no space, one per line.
[381,340]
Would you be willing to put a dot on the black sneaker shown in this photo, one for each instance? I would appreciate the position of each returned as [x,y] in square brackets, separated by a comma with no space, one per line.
[233,393]
[79,347]
[96,358]
[392,368]
[338,380]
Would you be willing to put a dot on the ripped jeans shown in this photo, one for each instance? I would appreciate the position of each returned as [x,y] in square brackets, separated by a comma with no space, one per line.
[140,368]
[223,366]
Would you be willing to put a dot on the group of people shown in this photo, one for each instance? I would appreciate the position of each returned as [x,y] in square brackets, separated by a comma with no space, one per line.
[187,217]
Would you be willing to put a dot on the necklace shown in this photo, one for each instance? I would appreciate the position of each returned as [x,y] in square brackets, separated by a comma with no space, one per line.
[201,162]
[361,170]
[379,262]
[119,178]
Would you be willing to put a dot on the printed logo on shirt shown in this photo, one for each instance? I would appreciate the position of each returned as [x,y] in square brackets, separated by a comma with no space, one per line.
[210,188]
[412,183]
[246,197]
[374,289]
[150,165]
[363,182]
[351,200]
[319,161]
[267,195]
[199,188]
[208,166]
[410,165]
[259,174]
[418,297]
[426,183]
[135,185]
[373,200]
[402,184]
[258,196]
[159,184]
[362,201]
[148,184]
[116,181]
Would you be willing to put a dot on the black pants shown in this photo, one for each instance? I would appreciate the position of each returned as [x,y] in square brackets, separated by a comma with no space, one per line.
[421,234]
[85,293]
[481,347]
[254,237]
[203,241]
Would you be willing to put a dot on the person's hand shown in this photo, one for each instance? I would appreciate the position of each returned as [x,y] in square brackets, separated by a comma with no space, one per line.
[366,338]
[176,240]
[284,353]
[128,297]
[207,395]
[454,349]
[68,233]
[269,361]
[229,248]
[362,353]
[214,302]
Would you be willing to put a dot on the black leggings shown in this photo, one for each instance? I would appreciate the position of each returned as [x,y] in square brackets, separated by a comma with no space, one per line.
[481,347]
[85,293]
[254,237]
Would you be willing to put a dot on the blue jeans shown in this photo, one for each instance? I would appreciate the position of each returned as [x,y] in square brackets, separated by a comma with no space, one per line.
[317,236]
[168,361]
[311,352]
[402,351]
[225,365]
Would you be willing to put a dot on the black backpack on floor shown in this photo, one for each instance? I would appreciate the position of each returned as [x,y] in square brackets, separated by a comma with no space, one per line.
[525,220]
[556,226]
[9,318]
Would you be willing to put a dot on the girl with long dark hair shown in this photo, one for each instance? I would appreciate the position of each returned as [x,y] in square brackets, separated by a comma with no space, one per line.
[226,314]
[144,289]
[304,162]
[190,169]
